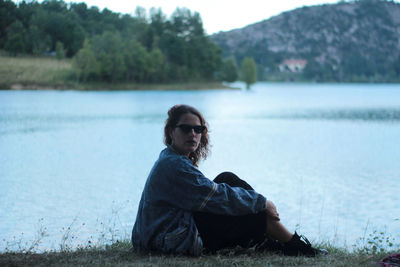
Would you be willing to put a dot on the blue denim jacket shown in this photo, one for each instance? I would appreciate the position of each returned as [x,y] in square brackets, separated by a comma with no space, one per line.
[174,190]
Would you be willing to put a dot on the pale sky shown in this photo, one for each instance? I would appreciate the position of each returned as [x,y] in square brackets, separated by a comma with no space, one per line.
[217,15]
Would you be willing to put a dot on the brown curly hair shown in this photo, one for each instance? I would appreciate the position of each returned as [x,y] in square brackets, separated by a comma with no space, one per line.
[174,115]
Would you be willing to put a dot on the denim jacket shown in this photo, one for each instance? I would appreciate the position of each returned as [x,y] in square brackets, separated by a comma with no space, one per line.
[175,189]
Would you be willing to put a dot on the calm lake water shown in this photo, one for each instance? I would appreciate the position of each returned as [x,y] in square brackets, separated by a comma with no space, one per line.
[73,164]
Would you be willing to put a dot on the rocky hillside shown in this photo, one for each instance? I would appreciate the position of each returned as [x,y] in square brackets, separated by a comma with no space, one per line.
[348,41]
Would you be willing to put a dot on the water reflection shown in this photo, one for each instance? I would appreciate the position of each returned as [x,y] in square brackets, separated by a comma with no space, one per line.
[26,124]
[22,124]
[382,115]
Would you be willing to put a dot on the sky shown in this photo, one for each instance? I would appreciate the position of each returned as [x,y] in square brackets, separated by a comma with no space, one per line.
[217,15]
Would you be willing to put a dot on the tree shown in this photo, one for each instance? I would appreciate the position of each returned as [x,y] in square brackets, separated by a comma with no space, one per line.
[249,71]
[108,49]
[86,63]
[136,61]
[156,65]
[60,51]
[156,28]
[39,42]
[139,48]
[229,72]
[396,66]
[8,12]
[15,42]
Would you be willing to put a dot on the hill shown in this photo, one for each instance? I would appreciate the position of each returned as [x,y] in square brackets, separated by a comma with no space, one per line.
[344,42]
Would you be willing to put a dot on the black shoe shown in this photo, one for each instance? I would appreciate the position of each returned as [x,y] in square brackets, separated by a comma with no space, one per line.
[269,245]
[299,245]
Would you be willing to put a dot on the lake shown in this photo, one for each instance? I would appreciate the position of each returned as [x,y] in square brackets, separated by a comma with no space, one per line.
[73,164]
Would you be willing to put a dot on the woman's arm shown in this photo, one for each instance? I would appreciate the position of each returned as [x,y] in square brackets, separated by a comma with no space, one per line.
[178,183]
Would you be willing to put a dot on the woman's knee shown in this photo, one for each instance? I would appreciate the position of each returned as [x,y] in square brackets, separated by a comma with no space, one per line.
[224,177]
[232,179]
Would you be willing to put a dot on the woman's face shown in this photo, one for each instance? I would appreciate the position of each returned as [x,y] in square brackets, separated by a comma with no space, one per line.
[186,142]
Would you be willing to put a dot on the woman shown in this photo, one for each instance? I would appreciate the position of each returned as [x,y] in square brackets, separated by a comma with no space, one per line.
[183,212]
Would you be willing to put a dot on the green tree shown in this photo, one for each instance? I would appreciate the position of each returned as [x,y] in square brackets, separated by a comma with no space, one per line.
[39,42]
[158,23]
[15,42]
[396,66]
[189,53]
[156,70]
[60,51]
[86,64]
[248,71]
[140,48]
[229,72]
[209,59]
[8,11]
[108,49]
[136,60]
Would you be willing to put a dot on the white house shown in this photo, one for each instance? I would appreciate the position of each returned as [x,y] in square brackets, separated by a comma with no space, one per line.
[293,65]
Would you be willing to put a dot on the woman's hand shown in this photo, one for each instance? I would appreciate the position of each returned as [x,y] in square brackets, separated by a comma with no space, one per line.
[271,211]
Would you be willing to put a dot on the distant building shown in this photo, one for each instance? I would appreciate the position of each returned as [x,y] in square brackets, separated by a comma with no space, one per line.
[293,65]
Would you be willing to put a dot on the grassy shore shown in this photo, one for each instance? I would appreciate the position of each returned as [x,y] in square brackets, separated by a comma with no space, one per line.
[25,72]
[105,248]
[19,73]
[119,254]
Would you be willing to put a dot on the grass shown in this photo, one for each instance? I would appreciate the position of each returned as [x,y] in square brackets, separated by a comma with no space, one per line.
[119,254]
[21,72]
[29,72]
[109,250]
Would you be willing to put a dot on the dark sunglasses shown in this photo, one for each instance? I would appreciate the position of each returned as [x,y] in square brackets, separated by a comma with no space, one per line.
[186,128]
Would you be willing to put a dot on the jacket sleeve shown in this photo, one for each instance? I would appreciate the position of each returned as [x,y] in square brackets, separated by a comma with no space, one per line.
[182,185]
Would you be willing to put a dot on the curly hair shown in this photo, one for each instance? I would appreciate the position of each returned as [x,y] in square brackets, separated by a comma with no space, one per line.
[174,115]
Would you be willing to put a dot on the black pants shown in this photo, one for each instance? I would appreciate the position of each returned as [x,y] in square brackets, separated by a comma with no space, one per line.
[224,231]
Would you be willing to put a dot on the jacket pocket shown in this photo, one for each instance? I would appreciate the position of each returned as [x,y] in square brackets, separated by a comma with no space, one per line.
[173,240]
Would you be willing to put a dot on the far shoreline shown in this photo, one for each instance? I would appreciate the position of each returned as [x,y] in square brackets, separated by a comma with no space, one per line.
[120,86]
[44,73]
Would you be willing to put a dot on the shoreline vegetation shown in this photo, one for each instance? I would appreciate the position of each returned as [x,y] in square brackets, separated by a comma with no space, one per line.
[114,248]
[106,47]
[49,73]
[45,73]
[120,254]
[109,245]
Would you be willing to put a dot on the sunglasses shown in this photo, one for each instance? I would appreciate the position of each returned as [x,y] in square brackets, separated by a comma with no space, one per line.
[186,128]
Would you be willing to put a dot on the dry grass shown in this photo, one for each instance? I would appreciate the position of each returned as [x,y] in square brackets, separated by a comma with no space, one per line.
[109,251]
[119,254]
[18,72]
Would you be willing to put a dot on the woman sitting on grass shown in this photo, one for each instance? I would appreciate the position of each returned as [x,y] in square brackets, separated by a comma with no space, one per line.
[183,212]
